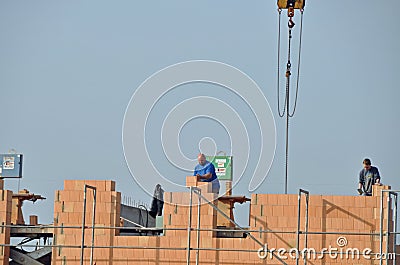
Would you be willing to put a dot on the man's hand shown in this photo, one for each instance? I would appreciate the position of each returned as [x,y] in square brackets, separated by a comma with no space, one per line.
[198,176]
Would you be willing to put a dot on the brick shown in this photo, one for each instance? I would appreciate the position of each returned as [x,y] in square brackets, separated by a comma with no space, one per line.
[254,210]
[359,201]
[343,213]
[211,197]
[254,199]
[286,199]
[79,185]
[5,195]
[290,211]
[275,199]
[272,222]
[315,200]
[288,222]
[376,189]
[206,187]
[315,211]
[339,201]
[105,196]
[100,185]
[181,198]
[277,210]
[371,202]
[75,196]
[33,219]
[207,209]
[58,206]
[191,181]
[168,198]
[337,223]
[348,201]
[331,212]
[263,199]
[69,185]
[110,185]
[314,223]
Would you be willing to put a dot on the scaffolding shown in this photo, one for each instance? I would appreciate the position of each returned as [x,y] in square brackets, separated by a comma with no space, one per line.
[388,198]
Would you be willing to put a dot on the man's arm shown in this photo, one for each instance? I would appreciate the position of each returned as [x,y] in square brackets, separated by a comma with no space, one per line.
[209,172]
[205,176]
[361,177]
[377,176]
[360,182]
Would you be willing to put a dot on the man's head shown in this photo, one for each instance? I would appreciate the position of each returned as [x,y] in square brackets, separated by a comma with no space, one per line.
[201,158]
[367,163]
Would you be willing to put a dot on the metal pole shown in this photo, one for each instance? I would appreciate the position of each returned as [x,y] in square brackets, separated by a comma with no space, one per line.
[388,225]
[381,229]
[93,222]
[287,138]
[306,228]
[189,225]
[298,227]
[83,224]
[198,230]
[395,226]
[152,229]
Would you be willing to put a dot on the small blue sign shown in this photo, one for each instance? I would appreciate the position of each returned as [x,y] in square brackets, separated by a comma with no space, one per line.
[11,165]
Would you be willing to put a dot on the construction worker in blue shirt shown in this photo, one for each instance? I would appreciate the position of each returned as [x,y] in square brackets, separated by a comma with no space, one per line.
[205,172]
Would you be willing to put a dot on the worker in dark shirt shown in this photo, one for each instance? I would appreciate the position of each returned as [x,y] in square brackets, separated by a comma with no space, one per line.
[368,176]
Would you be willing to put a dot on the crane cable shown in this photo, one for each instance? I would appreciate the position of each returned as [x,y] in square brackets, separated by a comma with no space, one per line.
[298,62]
[282,113]
[286,110]
[279,52]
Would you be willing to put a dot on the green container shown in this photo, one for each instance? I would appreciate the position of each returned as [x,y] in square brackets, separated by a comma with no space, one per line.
[159,221]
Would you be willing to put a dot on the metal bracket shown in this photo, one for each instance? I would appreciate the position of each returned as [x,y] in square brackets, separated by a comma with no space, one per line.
[19,257]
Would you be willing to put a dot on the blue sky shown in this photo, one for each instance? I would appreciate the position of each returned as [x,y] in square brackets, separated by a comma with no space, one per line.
[69,69]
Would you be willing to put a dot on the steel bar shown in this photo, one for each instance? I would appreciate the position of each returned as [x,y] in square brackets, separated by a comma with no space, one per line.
[381,228]
[198,230]
[83,225]
[14,229]
[93,223]
[189,226]
[306,227]
[395,226]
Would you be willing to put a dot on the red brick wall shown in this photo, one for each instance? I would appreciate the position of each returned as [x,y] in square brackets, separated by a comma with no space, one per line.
[5,219]
[68,211]
[275,212]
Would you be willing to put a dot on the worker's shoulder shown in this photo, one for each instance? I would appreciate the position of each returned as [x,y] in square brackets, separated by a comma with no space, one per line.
[209,165]
[373,168]
[198,167]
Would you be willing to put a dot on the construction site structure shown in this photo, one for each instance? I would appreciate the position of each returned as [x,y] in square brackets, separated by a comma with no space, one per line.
[199,228]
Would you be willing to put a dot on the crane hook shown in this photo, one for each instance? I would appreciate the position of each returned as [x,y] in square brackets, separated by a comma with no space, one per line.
[291,23]
[291,15]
